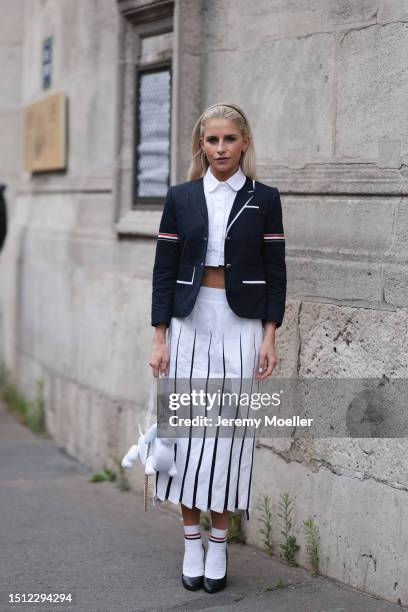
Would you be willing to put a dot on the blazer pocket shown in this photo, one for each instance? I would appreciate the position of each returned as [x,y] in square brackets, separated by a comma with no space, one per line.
[252,206]
[253,275]
[185,275]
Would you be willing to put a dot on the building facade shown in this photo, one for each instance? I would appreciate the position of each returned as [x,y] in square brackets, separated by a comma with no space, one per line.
[324,85]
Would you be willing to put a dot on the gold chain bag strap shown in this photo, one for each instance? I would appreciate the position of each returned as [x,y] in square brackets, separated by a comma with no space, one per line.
[147,423]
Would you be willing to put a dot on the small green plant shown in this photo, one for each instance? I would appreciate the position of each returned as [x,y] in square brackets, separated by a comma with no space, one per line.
[235,531]
[264,506]
[313,544]
[290,547]
[15,401]
[35,412]
[3,374]
[205,521]
[104,474]
[279,585]
[122,481]
[31,413]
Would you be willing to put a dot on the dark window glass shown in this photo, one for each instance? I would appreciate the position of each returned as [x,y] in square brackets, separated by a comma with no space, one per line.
[152,155]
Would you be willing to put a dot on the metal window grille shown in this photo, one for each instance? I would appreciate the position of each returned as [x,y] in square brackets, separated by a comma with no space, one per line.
[152,142]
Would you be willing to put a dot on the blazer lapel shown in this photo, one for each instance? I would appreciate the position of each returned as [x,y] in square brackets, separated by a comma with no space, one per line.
[242,197]
[196,195]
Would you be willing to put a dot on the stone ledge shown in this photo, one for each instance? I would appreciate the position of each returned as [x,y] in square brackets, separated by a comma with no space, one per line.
[140,223]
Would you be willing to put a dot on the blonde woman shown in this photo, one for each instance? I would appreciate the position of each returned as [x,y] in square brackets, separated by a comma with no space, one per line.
[219,290]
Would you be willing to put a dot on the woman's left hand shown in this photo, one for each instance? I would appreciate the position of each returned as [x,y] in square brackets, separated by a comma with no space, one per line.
[267,353]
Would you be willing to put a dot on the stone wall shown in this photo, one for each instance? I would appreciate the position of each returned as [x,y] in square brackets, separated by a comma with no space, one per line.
[11,51]
[324,84]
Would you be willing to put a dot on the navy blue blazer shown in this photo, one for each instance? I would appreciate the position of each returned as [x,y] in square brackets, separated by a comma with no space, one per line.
[254,253]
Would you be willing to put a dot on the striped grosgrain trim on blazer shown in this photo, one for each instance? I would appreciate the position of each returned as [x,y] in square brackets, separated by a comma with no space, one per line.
[170,237]
[270,237]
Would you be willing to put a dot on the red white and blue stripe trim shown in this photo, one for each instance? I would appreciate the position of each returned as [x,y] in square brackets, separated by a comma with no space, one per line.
[217,539]
[193,536]
[273,237]
[169,237]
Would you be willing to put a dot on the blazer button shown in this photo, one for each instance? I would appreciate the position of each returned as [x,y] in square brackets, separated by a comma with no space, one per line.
[228,265]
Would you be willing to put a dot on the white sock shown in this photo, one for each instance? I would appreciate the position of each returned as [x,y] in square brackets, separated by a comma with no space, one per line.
[216,559]
[193,562]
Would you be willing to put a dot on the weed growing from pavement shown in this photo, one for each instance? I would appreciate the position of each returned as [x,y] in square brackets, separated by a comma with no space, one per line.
[122,480]
[312,544]
[205,520]
[280,584]
[29,412]
[235,531]
[109,475]
[290,546]
[264,506]
[103,475]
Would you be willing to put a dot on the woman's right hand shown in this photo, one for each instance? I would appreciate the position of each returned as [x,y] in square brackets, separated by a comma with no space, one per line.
[159,359]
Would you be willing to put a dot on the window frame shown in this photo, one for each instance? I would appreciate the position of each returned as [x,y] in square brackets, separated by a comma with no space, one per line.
[137,20]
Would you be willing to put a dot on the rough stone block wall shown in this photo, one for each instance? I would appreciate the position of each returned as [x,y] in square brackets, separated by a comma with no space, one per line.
[11,52]
[324,83]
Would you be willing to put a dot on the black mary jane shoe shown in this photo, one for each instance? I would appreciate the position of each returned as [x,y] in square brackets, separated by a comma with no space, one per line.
[192,583]
[213,585]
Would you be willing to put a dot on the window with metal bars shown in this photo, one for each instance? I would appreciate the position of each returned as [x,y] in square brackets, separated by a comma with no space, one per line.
[152,135]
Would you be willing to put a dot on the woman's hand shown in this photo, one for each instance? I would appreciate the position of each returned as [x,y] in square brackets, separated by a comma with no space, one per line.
[267,353]
[159,360]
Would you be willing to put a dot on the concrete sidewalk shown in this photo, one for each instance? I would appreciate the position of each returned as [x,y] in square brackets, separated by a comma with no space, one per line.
[60,533]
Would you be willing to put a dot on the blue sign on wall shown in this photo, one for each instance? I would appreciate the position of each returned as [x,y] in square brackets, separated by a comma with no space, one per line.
[46,63]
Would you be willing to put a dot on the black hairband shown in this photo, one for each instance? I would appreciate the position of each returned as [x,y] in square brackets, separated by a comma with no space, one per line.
[229,106]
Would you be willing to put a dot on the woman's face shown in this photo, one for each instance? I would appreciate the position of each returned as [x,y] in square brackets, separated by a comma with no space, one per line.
[223,143]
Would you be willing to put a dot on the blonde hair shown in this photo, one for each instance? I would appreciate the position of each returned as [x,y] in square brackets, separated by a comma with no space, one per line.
[199,162]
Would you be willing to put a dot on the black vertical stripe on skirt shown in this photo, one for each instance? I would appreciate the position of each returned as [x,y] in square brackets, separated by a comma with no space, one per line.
[252,463]
[215,446]
[205,428]
[233,432]
[191,426]
[245,430]
[175,446]
[250,476]
[218,431]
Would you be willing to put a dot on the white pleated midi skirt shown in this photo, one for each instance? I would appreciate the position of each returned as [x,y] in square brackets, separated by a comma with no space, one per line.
[213,473]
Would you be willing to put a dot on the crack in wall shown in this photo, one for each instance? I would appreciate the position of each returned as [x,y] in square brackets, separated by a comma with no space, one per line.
[296,455]
[298,361]
[342,34]
[370,25]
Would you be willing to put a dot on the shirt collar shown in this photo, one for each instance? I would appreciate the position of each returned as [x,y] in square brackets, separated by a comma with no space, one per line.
[236,181]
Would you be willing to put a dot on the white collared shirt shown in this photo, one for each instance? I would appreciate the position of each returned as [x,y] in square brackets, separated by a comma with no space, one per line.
[220,197]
